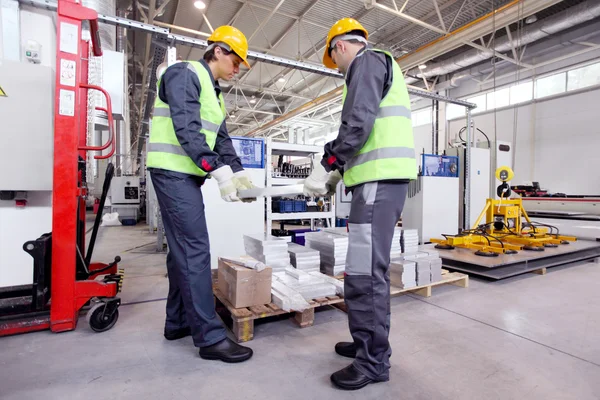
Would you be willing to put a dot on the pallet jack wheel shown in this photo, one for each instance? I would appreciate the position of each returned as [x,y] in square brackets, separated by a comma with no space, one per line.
[533,248]
[486,253]
[444,246]
[550,245]
[101,318]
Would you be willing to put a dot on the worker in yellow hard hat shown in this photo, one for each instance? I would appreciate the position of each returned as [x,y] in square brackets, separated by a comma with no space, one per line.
[188,143]
[374,154]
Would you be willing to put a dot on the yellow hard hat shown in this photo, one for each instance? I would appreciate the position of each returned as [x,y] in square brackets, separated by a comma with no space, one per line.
[232,37]
[341,27]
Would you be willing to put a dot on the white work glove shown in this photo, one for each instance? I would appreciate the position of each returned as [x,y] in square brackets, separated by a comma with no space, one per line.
[243,182]
[316,184]
[334,178]
[227,185]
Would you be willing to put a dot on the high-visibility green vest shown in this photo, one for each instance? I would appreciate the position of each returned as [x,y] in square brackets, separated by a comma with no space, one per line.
[164,150]
[389,152]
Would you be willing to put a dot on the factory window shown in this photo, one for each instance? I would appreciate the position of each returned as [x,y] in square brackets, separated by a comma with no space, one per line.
[521,93]
[421,117]
[499,98]
[550,85]
[583,77]
[480,101]
[455,111]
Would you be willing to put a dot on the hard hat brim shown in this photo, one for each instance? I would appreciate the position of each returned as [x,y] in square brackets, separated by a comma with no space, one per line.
[328,61]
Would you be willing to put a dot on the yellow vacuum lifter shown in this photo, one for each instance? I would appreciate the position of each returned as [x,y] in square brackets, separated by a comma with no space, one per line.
[507,228]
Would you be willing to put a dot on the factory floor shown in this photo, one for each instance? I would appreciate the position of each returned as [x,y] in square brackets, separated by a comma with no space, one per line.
[530,337]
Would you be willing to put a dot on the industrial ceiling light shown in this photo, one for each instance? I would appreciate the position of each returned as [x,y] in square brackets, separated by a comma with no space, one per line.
[531,19]
[422,67]
[253,99]
[200,5]
[282,79]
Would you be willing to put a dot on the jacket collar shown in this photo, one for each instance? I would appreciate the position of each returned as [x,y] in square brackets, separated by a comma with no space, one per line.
[212,78]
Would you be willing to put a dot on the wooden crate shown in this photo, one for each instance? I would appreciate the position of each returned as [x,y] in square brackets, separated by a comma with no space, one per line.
[241,320]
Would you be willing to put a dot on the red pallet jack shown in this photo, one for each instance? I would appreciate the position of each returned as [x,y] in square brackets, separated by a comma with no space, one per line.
[64,280]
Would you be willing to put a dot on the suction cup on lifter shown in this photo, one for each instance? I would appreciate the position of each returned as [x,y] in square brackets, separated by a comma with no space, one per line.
[533,248]
[486,253]
[444,246]
[565,242]
[510,252]
[550,245]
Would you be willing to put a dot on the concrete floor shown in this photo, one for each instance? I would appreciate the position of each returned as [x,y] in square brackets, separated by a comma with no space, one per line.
[530,337]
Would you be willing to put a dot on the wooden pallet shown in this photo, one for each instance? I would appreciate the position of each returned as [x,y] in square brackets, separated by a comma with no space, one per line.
[448,278]
[242,319]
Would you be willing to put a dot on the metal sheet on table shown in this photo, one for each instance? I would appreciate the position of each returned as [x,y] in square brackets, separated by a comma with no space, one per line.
[468,257]
[288,190]
[505,266]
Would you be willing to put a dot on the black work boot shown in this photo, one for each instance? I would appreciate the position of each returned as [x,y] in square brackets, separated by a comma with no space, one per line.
[350,378]
[177,333]
[346,349]
[226,350]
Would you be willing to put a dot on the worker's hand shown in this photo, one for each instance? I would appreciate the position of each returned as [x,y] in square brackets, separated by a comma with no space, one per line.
[243,182]
[227,185]
[334,178]
[316,184]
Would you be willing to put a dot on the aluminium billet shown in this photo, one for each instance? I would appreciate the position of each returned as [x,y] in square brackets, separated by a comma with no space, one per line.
[275,191]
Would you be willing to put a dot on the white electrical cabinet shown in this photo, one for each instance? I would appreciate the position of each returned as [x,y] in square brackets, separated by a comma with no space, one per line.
[26,164]
[27,118]
[479,177]
[432,207]
[228,222]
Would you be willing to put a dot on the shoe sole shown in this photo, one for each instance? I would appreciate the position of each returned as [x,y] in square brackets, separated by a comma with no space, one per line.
[362,385]
[176,338]
[226,360]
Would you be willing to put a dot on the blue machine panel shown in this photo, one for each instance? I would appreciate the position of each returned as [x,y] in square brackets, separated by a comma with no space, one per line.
[435,165]
[250,150]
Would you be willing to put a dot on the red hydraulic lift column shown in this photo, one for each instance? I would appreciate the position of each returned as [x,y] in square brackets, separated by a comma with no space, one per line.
[67,121]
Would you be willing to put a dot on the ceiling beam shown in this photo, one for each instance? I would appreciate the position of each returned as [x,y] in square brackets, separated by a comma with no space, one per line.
[503,16]
[266,20]
[268,8]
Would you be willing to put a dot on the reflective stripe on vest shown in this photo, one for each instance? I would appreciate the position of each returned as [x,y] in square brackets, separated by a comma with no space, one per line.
[389,152]
[166,112]
[164,149]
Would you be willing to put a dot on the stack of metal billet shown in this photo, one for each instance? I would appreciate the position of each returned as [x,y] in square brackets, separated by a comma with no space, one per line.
[310,286]
[333,249]
[403,273]
[304,258]
[410,241]
[271,250]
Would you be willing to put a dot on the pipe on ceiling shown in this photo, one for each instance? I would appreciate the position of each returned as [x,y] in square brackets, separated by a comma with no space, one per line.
[573,16]
[569,18]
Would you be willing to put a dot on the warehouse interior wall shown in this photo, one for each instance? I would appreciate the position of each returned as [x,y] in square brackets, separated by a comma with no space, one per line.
[557,141]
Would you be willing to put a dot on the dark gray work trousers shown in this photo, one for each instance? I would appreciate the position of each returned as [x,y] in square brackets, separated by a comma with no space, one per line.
[190,301]
[375,210]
